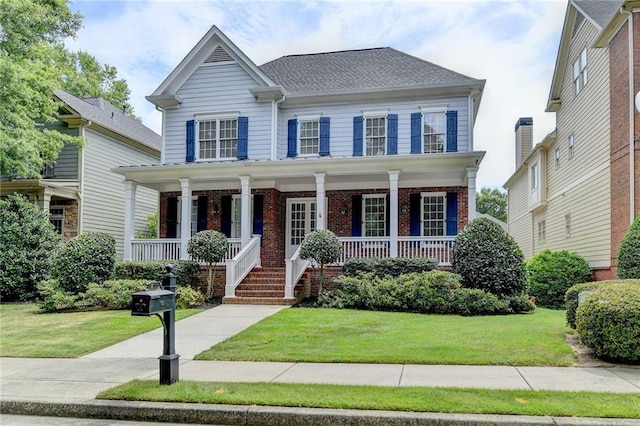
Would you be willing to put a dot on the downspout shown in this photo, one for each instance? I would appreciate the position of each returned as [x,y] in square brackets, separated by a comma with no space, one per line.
[81,178]
[632,189]
[274,127]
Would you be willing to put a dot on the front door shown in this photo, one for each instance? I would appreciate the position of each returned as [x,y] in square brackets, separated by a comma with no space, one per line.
[301,219]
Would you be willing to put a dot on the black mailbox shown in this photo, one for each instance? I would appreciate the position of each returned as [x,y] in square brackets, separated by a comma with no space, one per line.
[148,302]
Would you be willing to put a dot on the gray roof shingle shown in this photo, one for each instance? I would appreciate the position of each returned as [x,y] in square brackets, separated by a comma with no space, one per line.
[103,113]
[600,11]
[357,70]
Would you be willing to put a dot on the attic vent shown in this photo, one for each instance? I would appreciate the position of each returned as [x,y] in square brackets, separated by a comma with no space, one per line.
[218,55]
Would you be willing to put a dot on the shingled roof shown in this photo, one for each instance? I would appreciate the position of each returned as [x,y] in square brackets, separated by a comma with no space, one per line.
[600,11]
[108,116]
[359,70]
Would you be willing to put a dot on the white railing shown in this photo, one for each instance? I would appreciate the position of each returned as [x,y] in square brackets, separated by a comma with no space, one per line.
[169,249]
[438,248]
[360,247]
[241,264]
[295,267]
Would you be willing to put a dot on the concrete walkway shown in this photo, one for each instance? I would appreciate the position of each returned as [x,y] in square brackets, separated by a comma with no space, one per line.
[76,382]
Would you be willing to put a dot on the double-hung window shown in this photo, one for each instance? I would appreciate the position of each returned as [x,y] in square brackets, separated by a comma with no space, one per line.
[542,231]
[375,135]
[374,215]
[309,137]
[535,176]
[570,145]
[434,214]
[434,132]
[580,72]
[56,217]
[217,138]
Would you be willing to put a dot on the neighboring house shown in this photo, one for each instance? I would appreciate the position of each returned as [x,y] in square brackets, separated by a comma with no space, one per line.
[374,145]
[79,190]
[579,188]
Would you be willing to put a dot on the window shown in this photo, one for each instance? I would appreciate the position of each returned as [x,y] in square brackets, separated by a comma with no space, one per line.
[542,231]
[218,138]
[570,143]
[56,217]
[236,215]
[557,157]
[567,225]
[374,215]
[309,137]
[434,132]
[194,216]
[535,176]
[434,214]
[376,135]
[580,72]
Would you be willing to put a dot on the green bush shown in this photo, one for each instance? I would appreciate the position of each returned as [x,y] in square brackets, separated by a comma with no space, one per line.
[185,271]
[473,301]
[27,240]
[113,294]
[571,296]
[187,297]
[430,292]
[323,247]
[629,253]
[87,258]
[521,304]
[552,273]
[210,247]
[486,257]
[608,321]
[54,298]
[393,266]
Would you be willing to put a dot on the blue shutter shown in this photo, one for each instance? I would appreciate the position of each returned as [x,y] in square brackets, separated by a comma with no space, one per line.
[392,134]
[357,136]
[243,138]
[356,216]
[416,133]
[414,214]
[191,141]
[292,138]
[324,135]
[452,131]
[258,216]
[452,213]
[225,215]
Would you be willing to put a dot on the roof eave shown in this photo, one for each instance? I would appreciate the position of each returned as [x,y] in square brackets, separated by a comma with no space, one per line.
[165,101]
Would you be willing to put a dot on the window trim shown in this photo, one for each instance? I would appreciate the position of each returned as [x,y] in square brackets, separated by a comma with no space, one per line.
[307,119]
[383,197]
[223,116]
[542,231]
[424,195]
[571,143]
[434,110]
[534,176]
[236,200]
[372,115]
[57,216]
[567,225]
[556,157]
[580,75]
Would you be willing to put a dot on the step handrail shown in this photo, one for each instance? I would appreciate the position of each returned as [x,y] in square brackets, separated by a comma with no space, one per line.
[295,267]
[241,264]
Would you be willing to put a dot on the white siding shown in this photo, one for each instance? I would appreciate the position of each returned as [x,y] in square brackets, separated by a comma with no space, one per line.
[341,130]
[519,216]
[103,190]
[216,88]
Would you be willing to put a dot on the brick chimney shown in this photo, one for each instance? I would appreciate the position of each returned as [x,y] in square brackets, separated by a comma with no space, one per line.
[524,139]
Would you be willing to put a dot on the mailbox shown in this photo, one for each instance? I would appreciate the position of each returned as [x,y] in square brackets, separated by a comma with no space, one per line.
[149,302]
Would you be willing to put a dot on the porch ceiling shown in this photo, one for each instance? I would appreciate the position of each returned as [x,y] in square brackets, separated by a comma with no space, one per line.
[59,188]
[298,174]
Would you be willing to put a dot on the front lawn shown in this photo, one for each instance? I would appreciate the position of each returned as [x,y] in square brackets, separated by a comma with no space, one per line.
[25,332]
[334,335]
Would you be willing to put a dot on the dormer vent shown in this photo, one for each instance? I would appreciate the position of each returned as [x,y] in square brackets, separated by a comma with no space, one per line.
[218,55]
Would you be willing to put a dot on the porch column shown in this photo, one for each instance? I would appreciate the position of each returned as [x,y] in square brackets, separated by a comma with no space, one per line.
[471,197]
[321,222]
[129,216]
[393,212]
[185,217]
[245,210]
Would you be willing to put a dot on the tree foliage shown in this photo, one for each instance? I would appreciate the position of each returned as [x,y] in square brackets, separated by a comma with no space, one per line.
[210,247]
[629,253]
[27,240]
[323,247]
[492,202]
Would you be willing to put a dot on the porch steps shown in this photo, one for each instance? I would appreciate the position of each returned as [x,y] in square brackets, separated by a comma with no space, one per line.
[263,286]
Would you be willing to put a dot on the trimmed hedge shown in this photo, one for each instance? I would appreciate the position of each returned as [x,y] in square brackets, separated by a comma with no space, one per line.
[629,253]
[393,266]
[185,271]
[571,296]
[113,294]
[608,321]
[552,273]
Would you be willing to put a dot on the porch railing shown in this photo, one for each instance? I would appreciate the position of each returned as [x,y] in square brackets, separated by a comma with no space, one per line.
[169,249]
[438,248]
[241,264]
[295,267]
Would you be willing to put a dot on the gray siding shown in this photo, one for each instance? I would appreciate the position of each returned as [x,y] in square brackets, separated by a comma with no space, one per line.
[103,190]
[67,163]
[520,219]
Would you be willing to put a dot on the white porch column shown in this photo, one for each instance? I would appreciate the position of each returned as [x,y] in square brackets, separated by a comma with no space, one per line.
[185,217]
[129,216]
[245,210]
[321,221]
[471,197]
[393,212]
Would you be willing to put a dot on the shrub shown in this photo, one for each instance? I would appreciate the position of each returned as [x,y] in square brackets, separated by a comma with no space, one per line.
[571,297]
[473,301]
[393,266]
[521,304]
[87,258]
[489,259]
[210,247]
[552,273]
[629,253]
[187,297]
[430,292]
[323,247]
[184,270]
[27,240]
[54,298]
[113,294]
[608,321]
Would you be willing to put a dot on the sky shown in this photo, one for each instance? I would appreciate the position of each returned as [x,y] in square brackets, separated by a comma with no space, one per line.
[511,43]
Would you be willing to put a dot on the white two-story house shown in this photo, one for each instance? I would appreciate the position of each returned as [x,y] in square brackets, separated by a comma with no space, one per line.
[374,145]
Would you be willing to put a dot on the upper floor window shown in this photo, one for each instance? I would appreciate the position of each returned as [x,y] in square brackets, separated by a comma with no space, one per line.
[535,176]
[375,136]
[434,132]
[580,72]
[542,231]
[374,215]
[309,137]
[434,214]
[570,145]
[218,138]
[557,157]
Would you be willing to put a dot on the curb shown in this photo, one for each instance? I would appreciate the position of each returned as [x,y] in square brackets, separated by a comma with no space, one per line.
[276,416]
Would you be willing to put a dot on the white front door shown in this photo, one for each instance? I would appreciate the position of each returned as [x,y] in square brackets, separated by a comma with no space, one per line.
[301,219]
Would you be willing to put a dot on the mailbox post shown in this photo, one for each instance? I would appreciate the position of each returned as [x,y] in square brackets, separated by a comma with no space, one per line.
[154,302]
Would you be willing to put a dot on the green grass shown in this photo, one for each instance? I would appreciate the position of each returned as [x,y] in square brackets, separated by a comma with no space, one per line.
[25,332]
[333,335]
[442,400]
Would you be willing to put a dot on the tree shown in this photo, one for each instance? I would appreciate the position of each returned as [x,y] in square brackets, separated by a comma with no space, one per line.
[629,253]
[151,228]
[27,240]
[323,247]
[210,247]
[492,202]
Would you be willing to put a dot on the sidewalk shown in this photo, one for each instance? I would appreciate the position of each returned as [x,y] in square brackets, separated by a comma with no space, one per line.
[75,382]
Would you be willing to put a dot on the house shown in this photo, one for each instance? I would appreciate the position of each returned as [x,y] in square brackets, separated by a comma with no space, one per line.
[79,190]
[373,144]
[579,188]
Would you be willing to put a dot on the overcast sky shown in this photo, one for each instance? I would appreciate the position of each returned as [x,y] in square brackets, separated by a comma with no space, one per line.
[510,43]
